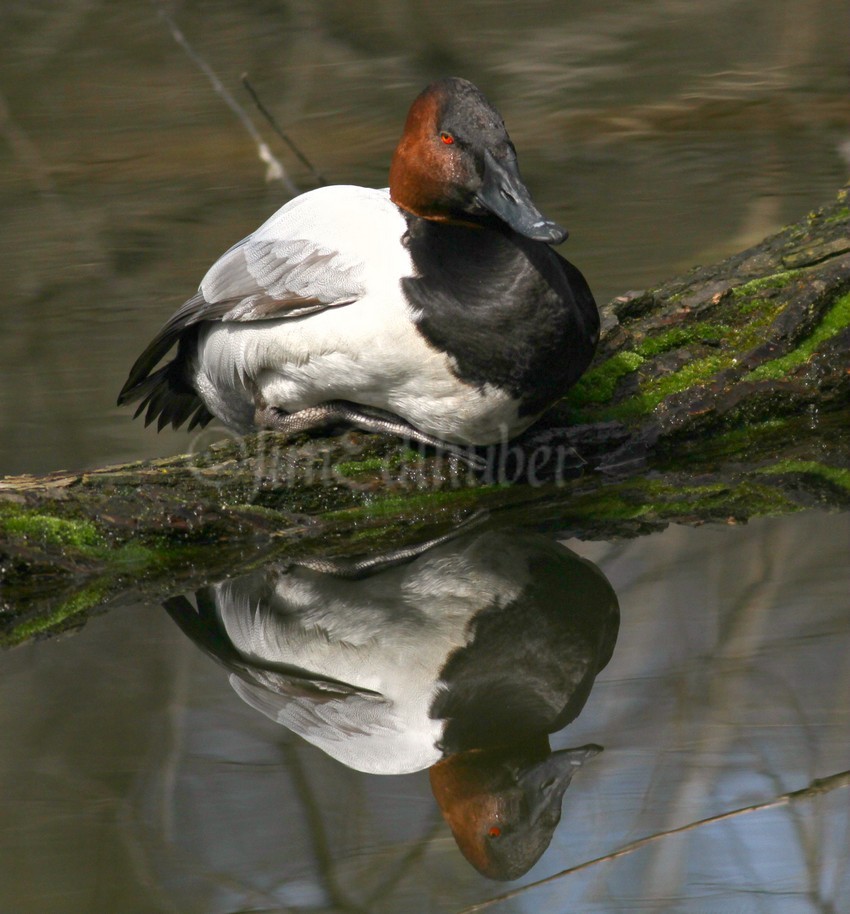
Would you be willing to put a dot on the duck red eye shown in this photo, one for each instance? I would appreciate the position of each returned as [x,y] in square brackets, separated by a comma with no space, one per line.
[447,138]
[495,831]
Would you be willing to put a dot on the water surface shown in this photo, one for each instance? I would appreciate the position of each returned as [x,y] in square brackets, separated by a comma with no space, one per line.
[142,782]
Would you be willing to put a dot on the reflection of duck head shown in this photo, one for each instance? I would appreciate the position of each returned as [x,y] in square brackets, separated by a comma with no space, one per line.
[464,656]
[503,805]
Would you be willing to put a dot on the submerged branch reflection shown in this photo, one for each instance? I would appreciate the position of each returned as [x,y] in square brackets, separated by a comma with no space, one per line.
[818,787]
[461,656]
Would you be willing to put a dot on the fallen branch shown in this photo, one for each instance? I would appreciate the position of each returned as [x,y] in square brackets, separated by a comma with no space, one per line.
[717,396]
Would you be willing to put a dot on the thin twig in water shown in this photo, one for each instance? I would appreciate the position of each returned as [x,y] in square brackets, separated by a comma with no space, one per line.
[412,856]
[317,832]
[816,788]
[320,178]
[275,170]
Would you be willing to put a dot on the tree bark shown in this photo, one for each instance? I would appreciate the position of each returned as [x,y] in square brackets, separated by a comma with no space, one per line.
[720,395]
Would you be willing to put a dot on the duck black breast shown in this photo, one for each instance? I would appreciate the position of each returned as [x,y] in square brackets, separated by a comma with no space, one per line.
[510,311]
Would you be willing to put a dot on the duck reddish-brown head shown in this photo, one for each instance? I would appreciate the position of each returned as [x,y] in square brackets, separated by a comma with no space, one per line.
[456,163]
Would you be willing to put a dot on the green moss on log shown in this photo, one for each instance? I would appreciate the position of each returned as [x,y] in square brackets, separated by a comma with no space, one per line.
[59,618]
[836,319]
[599,384]
[413,504]
[837,476]
[22,524]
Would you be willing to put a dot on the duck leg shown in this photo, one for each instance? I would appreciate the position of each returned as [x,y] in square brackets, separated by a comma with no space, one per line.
[364,418]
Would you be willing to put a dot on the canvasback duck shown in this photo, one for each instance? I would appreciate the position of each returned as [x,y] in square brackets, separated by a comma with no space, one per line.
[503,804]
[460,655]
[435,309]
[481,640]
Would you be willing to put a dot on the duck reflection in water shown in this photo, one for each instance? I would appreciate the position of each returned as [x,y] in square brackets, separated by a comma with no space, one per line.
[460,655]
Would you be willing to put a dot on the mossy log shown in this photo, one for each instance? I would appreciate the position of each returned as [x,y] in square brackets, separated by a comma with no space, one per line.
[717,396]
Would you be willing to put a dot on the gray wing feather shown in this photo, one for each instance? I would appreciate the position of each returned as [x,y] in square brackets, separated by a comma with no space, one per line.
[312,254]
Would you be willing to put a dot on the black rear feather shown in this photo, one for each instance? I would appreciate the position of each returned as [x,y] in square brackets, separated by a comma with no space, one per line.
[167,394]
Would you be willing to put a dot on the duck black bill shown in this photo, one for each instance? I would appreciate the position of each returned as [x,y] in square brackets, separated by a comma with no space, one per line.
[546,781]
[503,193]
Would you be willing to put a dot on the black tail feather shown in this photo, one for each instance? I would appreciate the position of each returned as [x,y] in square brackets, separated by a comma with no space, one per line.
[166,394]
[140,373]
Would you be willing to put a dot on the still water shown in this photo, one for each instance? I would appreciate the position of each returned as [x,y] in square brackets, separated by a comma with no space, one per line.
[148,771]
[142,775]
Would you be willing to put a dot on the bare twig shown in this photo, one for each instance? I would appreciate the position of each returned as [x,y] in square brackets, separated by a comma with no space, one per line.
[275,170]
[414,853]
[816,788]
[320,178]
[317,832]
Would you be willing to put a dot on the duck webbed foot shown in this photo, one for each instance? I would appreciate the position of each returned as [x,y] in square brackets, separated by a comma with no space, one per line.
[365,418]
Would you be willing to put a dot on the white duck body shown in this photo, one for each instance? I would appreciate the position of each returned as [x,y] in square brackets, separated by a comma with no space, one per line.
[385,639]
[339,251]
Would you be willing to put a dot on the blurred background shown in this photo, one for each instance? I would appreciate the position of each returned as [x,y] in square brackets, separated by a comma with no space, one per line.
[661,134]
